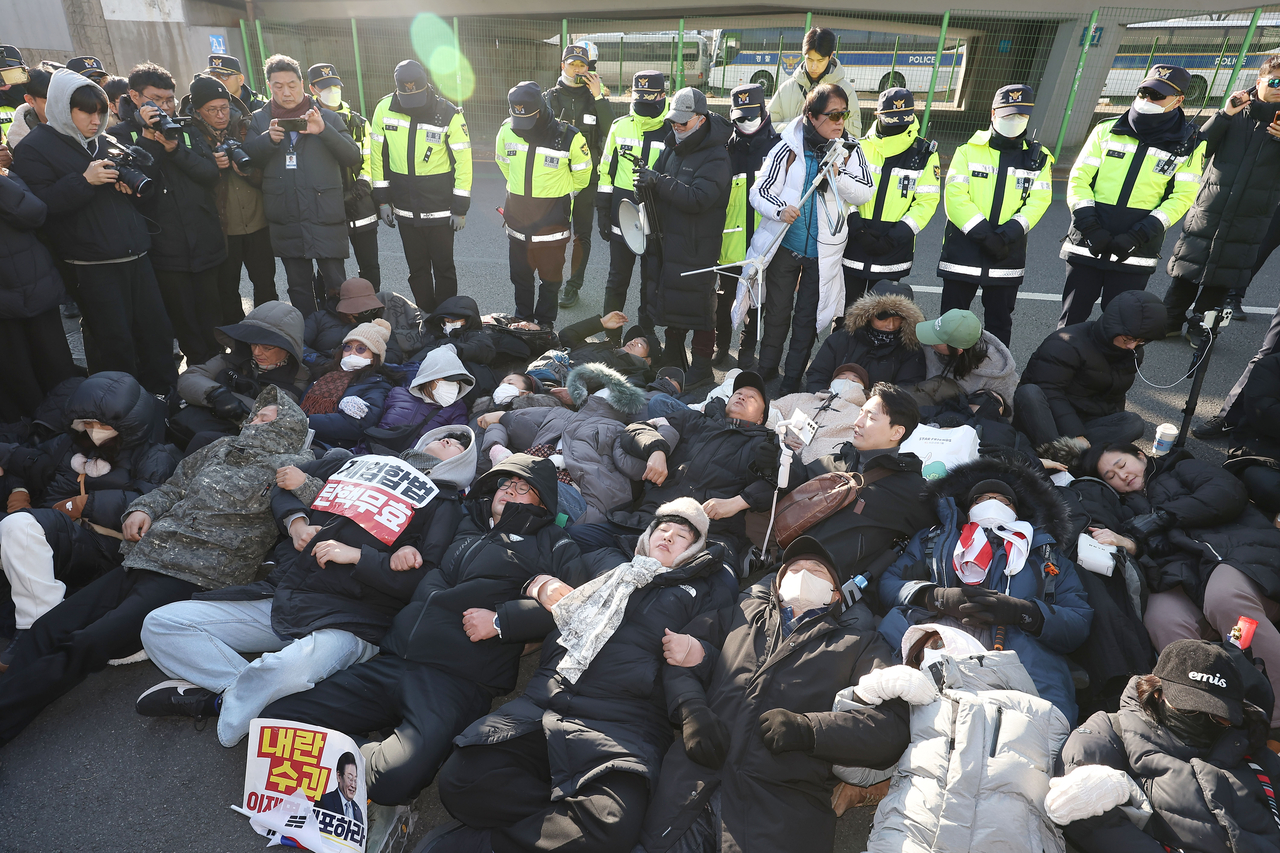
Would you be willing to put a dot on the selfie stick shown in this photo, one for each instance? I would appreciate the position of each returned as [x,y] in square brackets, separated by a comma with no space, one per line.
[1213,321]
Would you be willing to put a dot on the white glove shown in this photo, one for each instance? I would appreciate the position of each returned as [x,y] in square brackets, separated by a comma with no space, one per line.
[1089,791]
[497,453]
[354,406]
[896,682]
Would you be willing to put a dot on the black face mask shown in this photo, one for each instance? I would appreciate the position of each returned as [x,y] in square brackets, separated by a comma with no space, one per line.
[1194,728]
[649,109]
[891,129]
[369,316]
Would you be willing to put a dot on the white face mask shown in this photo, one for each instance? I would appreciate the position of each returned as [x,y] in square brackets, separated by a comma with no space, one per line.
[1010,126]
[99,435]
[1147,108]
[749,127]
[504,394]
[682,136]
[931,656]
[332,96]
[446,391]
[991,513]
[843,387]
[355,362]
[451,325]
[804,591]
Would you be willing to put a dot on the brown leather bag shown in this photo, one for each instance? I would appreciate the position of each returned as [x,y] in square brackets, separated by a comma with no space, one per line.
[820,498]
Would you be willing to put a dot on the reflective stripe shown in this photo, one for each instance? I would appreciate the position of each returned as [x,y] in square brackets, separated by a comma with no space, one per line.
[943,266]
[853,265]
[398,122]
[890,267]
[461,192]
[972,223]
[742,175]
[429,127]
[548,152]
[377,137]
[579,167]
[1122,146]
[616,230]
[621,141]
[460,146]
[957,179]
[408,214]
[357,223]
[1084,202]
[541,238]
[982,167]
[1022,220]
[873,168]
[1041,185]
[1006,273]
[734,230]
[1024,173]
[1187,176]
[381,184]
[927,189]
[1164,219]
[1091,161]
[1133,260]
[911,223]
[518,146]
[605,188]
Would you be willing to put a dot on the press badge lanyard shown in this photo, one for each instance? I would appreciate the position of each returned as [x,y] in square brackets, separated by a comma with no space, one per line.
[291,156]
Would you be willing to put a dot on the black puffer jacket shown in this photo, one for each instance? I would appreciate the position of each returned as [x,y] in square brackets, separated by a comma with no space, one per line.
[774,802]
[713,459]
[184,201]
[692,190]
[1259,431]
[582,351]
[1082,373]
[1207,800]
[615,716]
[1215,523]
[899,362]
[1238,197]
[139,464]
[488,567]
[29,283]
[324,332]
[473,342]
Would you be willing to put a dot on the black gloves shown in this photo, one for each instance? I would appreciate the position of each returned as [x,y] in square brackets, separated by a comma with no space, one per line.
[603,222]
[1093,236]
[873,243]
[706,740]
[644,178]
[1143,527]
[227,405]
[991,241]
[995,608]
[947,600]
[1122,245]
[900,235]
[765,461]
[784,731]
[1010,232]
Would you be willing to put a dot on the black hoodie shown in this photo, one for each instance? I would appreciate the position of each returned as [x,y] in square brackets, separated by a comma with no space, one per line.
[472,341]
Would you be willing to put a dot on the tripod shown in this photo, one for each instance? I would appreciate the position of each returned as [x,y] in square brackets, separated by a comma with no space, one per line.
[1213,321]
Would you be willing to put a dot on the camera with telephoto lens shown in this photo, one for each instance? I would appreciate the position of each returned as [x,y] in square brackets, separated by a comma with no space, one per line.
[126,159]
[236,154]
[170,126]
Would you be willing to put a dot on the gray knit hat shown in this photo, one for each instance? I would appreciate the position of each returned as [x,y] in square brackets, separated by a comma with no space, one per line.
[684,511]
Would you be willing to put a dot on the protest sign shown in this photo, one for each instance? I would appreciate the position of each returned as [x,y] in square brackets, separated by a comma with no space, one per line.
[379,493]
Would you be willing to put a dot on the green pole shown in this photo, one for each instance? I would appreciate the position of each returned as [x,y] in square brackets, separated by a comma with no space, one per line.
[1075,83]
[248,65]
[355,42]
[933,78]
[951,78]
[671,67]
[680,53]
[1152,55]
[262,55]
[1244,49]
[457,60]
[1214,79]
[564,34]
[621,50]
[893,63]
[808,21]
[777,72]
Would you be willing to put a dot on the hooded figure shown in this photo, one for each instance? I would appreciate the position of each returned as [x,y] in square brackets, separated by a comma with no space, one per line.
[595,710]
[788,100]
[457,321]
[434,398]
[208,526]
[889,355]
[332,595]
[996,571]
[1075,382]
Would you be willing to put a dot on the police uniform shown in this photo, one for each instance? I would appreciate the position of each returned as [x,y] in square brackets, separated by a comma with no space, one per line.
[882,232]
[11,98]
[634,136]
[592,116]
[997,189]
[357,195]
[90,67]
[222,66]
[1135,177]
[421,166]
[544,162]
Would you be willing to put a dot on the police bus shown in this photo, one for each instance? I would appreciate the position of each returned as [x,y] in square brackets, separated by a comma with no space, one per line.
[621,55]
[873,60]
[1205,46]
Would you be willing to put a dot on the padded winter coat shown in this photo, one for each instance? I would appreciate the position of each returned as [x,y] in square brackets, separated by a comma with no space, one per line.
[29,282]
[900,363]
[236,368]
[337,428]
[998,372]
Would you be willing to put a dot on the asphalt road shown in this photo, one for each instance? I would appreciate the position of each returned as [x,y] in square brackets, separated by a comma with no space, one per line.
[90,774]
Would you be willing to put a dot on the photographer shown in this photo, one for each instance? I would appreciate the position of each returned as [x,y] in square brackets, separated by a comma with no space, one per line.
[94,225]
[190,247]
[302,149]
[224,122]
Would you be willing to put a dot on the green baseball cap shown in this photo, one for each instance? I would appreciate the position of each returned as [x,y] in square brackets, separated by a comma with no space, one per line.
[956,328]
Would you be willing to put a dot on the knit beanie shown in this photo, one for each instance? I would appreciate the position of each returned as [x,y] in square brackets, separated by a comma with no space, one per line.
[373,335]
[685,511]
[205,89]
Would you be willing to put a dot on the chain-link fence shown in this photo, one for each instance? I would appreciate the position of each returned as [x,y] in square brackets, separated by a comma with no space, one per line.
[1083,67]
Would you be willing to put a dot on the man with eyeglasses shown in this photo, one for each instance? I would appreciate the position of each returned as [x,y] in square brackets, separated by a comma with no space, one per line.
[456,646]
[190,248]
[1135,177]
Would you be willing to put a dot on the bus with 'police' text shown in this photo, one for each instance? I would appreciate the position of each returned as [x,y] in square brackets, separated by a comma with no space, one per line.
[873,59]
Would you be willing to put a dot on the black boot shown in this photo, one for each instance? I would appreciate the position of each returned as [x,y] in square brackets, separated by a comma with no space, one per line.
[699,373]
[569,298]
[673,354]
[1232,301]
[721,357]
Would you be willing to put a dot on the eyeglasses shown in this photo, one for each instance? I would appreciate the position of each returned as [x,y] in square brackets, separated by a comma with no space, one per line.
[217,111]
[994,497]
[518,487]
[837,115]
[167,102]
[357,348]
[1127,340]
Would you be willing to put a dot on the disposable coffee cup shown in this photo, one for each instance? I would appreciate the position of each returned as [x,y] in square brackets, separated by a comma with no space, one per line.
[1165,436]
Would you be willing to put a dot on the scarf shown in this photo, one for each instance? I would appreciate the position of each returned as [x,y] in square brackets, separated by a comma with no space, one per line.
[880,338]
[588,616]
[1164,130]
[323,395]
[304,106]
[973,554]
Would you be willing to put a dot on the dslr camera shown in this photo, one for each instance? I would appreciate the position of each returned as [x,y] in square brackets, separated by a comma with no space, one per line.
[236,154]
[126,159]
[170,126]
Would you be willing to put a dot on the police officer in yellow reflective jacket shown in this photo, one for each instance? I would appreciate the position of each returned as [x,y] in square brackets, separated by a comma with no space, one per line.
[544,162]
[420,162]
[10,93]
[882,232]
[636,136]
[1135,177]
[998,186]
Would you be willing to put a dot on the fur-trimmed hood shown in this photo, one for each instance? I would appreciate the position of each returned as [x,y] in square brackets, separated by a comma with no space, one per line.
[865,309]
[1038,499]
[587,379]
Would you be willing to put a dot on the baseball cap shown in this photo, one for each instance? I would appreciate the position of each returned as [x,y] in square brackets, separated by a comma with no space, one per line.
[10,56]
[896,106]
[809,548]
[751,379]
[675,374]
[87,66]
[636,331]
[685,104]
[1200,676]
[322,75]
[412,86]
[648,86]
[220,63]
[577,52]
[357,295]
[746,101]
[1167,80]
[1018,99]
[889,287]
[525,100]
[957,328]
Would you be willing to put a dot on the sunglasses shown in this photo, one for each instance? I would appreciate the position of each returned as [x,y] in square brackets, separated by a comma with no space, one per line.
[358,349]
[837,115]
[1273,82]
[1151,94]
[744,119]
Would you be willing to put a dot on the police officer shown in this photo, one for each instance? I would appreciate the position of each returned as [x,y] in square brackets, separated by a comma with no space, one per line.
[90,67]
[12,68]
[544,162]
[421,167]
[357,186]
[882,232]
[752,138]
[227,69]
[1135,177]
[578,99]
[998,186]
[636,136]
